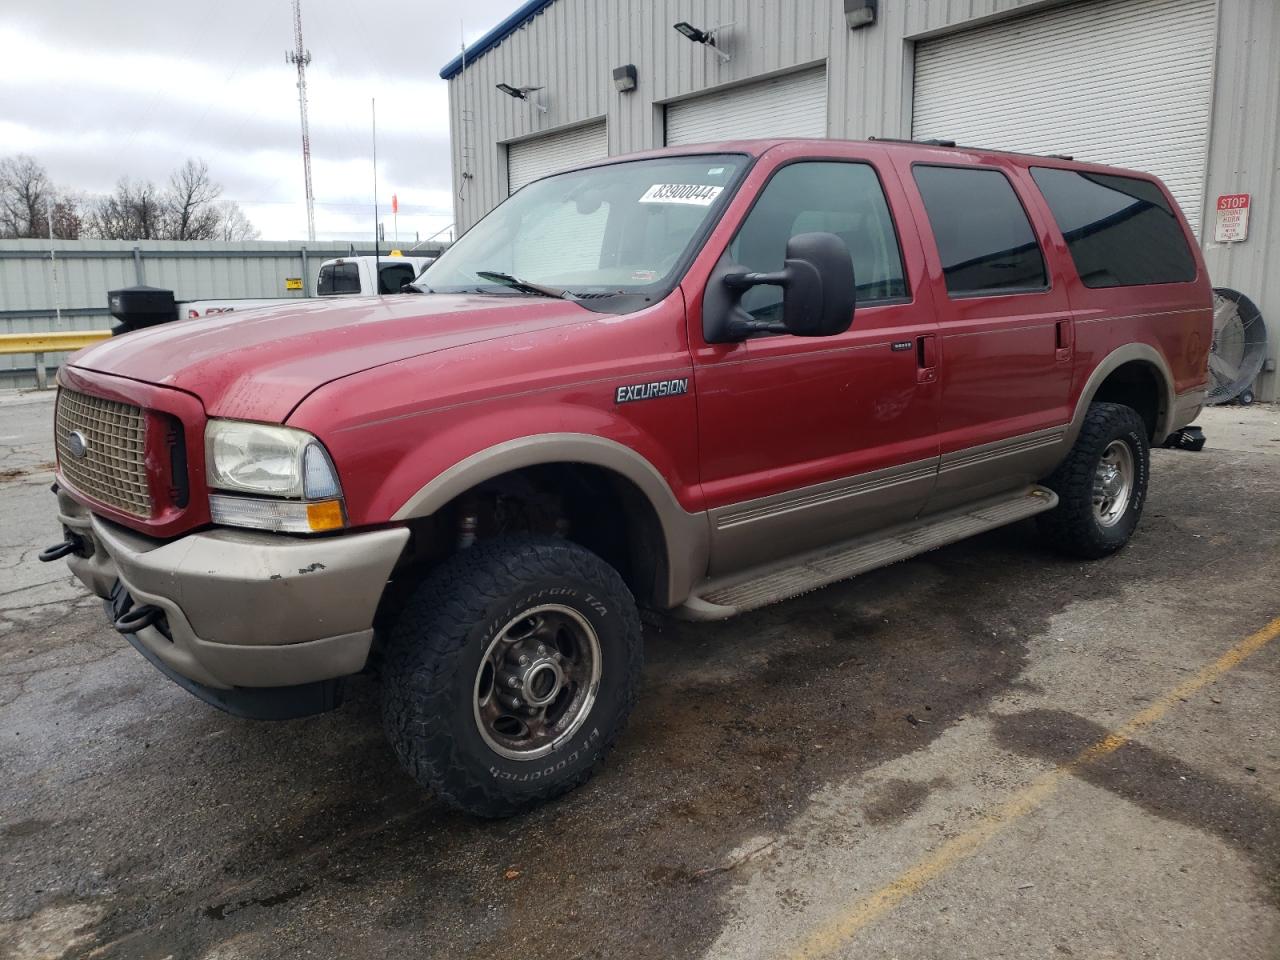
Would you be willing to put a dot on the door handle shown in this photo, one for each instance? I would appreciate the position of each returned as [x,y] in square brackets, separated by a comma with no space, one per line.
[1065,334]
[926,358]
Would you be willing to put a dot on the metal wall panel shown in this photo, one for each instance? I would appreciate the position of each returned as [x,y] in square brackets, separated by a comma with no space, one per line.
[1136,94]
[87,269]
[571,48]
[1244,157]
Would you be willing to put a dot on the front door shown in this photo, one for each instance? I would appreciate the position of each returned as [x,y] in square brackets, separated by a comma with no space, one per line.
[809,441]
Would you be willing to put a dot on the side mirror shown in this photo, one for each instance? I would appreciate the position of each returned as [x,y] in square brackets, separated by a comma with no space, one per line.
[817,292]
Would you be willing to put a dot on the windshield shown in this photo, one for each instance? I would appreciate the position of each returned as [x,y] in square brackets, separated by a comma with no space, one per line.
[621,228]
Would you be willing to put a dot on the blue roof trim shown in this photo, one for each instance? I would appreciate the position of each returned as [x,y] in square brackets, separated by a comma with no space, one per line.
[525,13]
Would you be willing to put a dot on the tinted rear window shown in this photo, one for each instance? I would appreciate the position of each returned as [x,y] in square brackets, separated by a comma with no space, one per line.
[1121,231]
[338,278]
[984,237]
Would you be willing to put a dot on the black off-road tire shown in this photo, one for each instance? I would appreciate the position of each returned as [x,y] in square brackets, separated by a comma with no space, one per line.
[436,647]
[1072,527]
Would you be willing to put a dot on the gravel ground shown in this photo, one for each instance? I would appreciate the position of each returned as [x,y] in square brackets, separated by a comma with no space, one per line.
[890,767]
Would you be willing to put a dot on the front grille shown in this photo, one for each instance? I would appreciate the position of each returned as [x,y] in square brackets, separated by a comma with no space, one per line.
[112,466]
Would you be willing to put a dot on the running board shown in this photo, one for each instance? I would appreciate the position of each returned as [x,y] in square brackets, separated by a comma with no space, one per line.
[725,597]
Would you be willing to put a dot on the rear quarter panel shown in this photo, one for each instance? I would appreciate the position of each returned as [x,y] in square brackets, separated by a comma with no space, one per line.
[1175,319]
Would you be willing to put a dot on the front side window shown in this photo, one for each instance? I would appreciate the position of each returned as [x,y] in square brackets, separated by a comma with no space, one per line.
[338,278]
[984,238]
[619,228]
[1121,231]
[821,197]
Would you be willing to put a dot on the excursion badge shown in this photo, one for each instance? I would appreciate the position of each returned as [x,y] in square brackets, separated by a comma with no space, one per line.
[651,391]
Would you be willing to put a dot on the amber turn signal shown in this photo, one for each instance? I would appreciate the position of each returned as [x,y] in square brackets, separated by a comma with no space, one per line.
[325,515]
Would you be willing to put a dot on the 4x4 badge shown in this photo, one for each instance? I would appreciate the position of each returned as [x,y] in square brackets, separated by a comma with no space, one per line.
[648,391]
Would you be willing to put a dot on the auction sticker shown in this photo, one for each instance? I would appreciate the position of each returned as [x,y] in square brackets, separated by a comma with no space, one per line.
[700,195]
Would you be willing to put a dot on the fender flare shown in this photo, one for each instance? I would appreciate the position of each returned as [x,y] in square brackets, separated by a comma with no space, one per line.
[686,536]
[1117,358]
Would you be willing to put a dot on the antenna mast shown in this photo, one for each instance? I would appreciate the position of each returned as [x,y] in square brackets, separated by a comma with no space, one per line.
[301,56]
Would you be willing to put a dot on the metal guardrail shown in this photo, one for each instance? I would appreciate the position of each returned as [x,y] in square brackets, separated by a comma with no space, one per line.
[54,341]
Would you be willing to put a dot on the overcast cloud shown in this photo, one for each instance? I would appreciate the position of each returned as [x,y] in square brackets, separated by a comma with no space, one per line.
[98,90]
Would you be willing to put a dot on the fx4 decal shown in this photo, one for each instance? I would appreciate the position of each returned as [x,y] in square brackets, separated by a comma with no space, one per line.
[648,391]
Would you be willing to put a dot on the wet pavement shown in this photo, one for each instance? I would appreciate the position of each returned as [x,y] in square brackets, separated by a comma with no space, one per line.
[796,782]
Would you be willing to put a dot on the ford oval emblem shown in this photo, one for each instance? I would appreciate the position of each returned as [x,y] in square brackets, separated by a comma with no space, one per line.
[77,445]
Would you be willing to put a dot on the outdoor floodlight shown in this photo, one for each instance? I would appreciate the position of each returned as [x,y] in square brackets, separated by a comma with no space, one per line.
[522,93]
[859,13]
[707,37]
[624,78]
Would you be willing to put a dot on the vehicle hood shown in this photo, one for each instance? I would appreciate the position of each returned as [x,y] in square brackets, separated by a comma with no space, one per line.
[259,364]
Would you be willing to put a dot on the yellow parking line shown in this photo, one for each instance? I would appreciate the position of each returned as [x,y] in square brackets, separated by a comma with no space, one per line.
[840,928]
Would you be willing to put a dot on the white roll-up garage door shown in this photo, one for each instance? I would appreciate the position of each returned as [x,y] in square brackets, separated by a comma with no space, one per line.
[1124,82]
[794,105]
[529,160]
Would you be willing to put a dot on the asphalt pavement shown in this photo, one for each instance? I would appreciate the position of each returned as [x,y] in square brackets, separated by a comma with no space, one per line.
[985,752]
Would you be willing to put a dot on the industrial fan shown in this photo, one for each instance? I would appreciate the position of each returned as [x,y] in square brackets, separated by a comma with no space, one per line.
[1239,347]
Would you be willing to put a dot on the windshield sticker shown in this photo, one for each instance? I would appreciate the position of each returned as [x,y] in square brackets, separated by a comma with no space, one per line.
[645,276]
[698,194]
[714,171]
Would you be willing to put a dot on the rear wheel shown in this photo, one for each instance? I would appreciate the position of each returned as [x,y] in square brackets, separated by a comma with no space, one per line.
[510,673]
[1102,484]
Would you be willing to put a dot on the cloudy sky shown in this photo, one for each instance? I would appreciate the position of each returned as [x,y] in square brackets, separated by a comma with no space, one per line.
[98,89]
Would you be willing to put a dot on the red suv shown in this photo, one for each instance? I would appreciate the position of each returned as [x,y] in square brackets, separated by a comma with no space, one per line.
[697,380]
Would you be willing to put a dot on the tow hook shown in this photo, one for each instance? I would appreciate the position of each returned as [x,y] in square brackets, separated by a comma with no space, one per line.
[138,618]
[74,543]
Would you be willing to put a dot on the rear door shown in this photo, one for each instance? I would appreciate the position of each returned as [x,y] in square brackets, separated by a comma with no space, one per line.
[1005,327]
[808,441]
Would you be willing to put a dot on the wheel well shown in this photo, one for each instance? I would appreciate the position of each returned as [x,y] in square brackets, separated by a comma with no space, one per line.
[592,506]
[1135,384]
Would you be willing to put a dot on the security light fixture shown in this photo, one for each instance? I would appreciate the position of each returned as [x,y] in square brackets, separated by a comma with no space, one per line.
[707,37]
[859,13]
[522,93]
[624,78]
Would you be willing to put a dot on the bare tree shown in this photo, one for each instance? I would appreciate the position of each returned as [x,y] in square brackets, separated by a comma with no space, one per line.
[24,192]
[234,225]
[28,198]
[133,211]
[190,211]
[67,212]
[187,208]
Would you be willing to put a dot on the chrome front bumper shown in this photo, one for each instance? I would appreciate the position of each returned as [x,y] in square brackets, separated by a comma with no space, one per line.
[243,609]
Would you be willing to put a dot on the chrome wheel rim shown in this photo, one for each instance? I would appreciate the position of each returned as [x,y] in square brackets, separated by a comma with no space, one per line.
[1113,483]
[537,682]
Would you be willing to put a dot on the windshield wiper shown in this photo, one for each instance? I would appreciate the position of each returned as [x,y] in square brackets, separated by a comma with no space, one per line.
[524,286]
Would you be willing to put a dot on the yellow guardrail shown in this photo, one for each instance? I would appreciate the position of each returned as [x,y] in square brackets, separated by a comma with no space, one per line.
[53,341]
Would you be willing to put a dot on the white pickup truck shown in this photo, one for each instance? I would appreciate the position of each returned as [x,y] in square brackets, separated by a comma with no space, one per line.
[343,277]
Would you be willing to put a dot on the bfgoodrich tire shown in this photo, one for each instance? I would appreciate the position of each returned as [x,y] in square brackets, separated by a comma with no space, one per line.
[510,673]
[1102,484]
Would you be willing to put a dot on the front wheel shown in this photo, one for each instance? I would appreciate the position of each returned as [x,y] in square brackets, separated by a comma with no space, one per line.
[510,672]
[1102,484]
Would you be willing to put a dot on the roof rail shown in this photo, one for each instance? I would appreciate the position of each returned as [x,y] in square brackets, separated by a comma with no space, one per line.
[922,143]
[952,143]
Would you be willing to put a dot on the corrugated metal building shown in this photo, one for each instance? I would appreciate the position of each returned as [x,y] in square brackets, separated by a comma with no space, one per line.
[1187,89]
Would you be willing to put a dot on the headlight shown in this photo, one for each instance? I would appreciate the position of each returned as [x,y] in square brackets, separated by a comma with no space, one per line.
[288,466]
